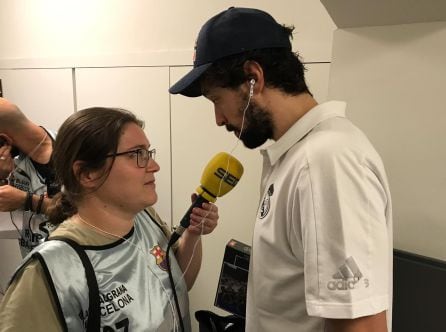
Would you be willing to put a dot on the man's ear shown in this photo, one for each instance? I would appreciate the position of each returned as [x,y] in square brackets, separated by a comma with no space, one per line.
[6,138]
[253,70]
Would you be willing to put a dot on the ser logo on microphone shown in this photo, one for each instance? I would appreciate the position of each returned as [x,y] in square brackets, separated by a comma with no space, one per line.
[226,176]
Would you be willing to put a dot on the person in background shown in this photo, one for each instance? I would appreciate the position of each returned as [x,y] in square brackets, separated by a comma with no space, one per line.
[26,175]
[107,167]
[322,244]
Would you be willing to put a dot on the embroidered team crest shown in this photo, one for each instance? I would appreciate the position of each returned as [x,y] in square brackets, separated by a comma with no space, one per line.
[266,203]
[160,256]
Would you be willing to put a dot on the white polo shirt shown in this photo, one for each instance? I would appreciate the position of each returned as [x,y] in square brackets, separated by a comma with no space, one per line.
[322,245]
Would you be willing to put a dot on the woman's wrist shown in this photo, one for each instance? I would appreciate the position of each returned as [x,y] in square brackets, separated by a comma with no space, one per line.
[191,234]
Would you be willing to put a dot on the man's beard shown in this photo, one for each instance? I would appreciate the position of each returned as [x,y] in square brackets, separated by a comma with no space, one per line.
[258,126]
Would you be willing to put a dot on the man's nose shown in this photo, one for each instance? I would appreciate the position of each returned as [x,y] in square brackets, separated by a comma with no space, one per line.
[220,120]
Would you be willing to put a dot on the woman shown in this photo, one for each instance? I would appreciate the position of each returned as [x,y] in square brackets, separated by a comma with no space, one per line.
[104,161]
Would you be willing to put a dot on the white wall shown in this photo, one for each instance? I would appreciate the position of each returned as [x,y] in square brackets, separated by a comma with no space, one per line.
[74,33]
[45,95]
[108,46]
[393,78]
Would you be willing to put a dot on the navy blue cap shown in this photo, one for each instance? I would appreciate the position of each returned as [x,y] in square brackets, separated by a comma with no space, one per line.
[230,32]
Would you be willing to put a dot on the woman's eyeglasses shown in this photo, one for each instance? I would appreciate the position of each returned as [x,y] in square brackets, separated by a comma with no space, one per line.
[142,156]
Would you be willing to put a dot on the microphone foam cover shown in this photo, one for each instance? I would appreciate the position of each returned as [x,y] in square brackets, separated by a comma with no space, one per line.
[220,175]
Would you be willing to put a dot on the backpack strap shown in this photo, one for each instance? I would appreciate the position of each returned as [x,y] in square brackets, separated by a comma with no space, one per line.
[94,310]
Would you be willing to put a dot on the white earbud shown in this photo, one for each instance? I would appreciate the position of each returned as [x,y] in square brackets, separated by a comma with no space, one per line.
[252,82]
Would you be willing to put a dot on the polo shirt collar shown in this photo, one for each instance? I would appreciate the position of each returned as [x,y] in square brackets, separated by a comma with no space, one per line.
[302,127]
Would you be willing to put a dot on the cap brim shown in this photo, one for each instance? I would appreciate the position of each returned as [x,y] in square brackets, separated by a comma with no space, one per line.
[189,85]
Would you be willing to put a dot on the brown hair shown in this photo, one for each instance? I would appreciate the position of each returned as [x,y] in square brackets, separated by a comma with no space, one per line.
[88,135]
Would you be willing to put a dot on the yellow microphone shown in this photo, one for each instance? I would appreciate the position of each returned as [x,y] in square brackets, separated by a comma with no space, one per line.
[220,175]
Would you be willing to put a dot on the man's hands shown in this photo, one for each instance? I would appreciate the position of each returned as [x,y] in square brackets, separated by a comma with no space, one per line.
[6,161]
[11,198]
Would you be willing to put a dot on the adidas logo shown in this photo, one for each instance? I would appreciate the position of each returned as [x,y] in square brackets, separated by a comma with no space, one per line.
[347,276]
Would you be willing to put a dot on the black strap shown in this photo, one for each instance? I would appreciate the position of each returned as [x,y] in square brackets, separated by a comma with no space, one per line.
[94,310]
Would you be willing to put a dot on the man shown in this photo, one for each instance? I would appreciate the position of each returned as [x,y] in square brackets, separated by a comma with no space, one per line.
[322,246]
[26,176]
